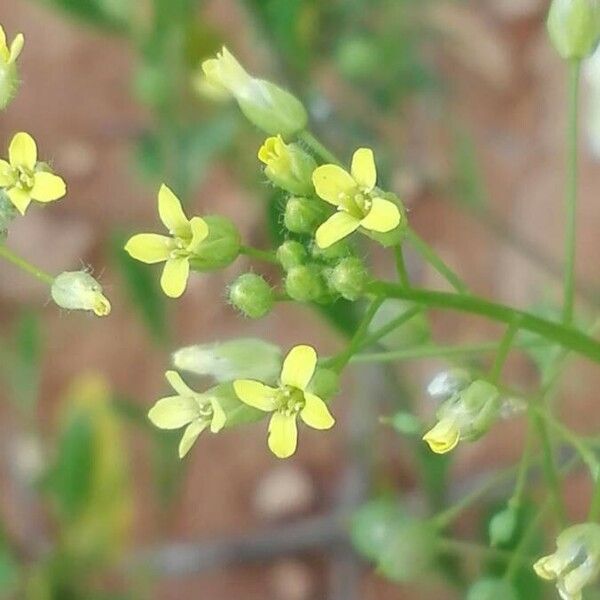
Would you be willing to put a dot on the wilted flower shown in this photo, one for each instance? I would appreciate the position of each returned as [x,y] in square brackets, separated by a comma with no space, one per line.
[288,401]
[24,179]
[78,290]
[359,203]
[187,409]
[575,563]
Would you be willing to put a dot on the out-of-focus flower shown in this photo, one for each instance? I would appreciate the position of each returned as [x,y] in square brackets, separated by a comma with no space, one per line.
[176,250]
[24,179]
[9,76]
[574,27]
[575,563]
[78,290]
[359,203]
[288,401]
[187,409]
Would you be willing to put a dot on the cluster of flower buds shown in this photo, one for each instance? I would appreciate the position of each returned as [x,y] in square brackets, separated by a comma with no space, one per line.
[467,411]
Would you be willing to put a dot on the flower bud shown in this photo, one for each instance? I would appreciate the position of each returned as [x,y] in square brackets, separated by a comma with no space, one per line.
[349,278]
[268,106]
[291,254]
[9,76]
[574,27]
[303,215]
[325,383]
[492,589]
[334,252]
[503,526]
[251,295]
[406,423]
[220,248]
[304,283]
[288,166]
[78,290]
[244,358]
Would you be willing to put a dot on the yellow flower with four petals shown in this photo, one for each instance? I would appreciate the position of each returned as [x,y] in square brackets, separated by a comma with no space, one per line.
[176,250]
[359,203]
[188,409]
[22,178]
[288,401]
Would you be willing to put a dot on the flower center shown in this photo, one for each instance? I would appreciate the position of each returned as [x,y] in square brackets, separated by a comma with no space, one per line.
[290,400]
[358,204]
[24,178]
[206,411]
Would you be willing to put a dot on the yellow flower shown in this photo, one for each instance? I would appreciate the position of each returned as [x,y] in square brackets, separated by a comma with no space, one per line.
[186,236]
[23,180]
[575,563]
[443,437]
[187,409]
[288,400]
[9,55]
[358,201]
[226,74]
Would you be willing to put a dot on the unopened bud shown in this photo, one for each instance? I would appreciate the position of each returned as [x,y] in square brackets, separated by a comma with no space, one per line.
[9,76]
[503,526]
[291,254]
[288,166]
[251,295]
[574,27]
[325,383]
[220,248]
[303,215]
[349,278]
[305,283]
[78,290]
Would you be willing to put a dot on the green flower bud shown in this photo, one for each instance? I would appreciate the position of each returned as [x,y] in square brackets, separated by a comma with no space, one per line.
[325,383]
[268,106]
[244,358]
[220,248]
[288,166]
[492,589]
[305,283]
[303,215]
[334,252]
[406,423]
[251,295]
[503,525]
[349,278]
[9,75]
[78,290]
[574,27]
[291,254]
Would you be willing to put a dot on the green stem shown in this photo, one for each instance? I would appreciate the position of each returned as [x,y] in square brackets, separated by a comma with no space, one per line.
[434,259]
[401,266]
[24,265]
[565,336]
[503,351]
[571,192]
[479,551]
[594,514]
[341,360]
[318,148]
[524,464]
[391,326]
[263,255]
[431,351]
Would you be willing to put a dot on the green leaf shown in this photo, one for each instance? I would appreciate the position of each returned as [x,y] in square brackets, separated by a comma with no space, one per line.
[143,288]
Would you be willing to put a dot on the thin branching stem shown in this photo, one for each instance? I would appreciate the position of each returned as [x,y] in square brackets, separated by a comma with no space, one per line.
[25,265]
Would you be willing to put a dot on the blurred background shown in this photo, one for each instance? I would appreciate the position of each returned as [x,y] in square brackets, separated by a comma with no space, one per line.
[464,104]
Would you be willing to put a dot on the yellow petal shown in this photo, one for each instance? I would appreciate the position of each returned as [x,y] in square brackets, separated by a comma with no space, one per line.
[336,228]
[174,277]
[190,435]
[199,229]
[16,47]
[332,183]
[219,417]
[4,53]
[283,435]
[443,437]
[363,169]
[256,394]
[22,151]
[7,177]
[171,213]
[174,412]
[544,567]
[19,198]
[299,366]
[315,413]
[150,248]
[48,187]
[383,216]
[178,384]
